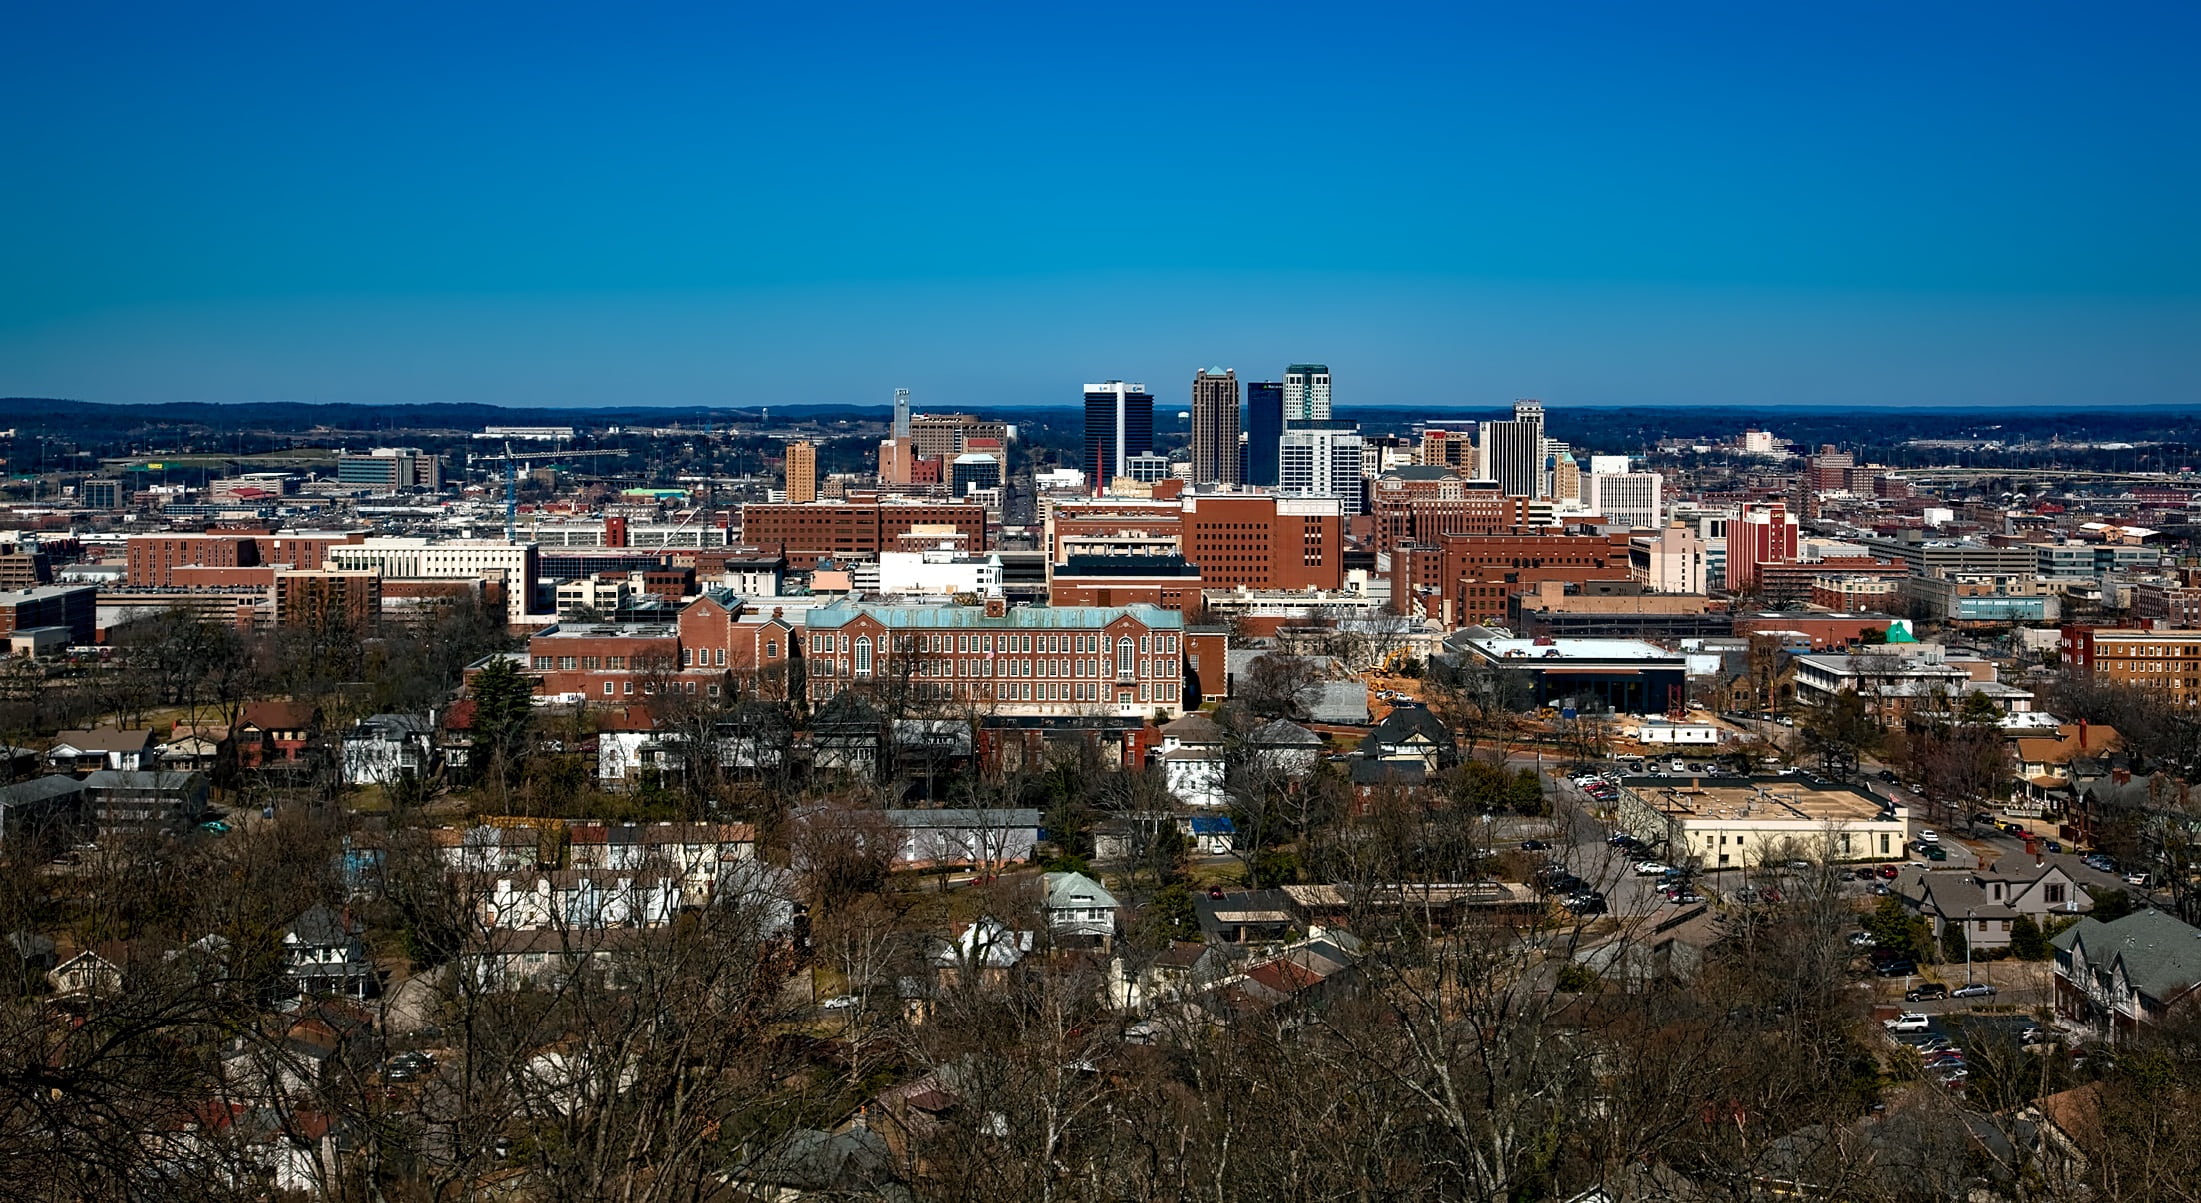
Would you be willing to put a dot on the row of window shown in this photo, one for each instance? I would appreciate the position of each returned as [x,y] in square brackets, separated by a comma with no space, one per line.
[823,644]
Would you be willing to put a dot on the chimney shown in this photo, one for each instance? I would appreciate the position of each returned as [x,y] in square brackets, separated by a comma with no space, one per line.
[996,607]
[2082,735]
[2120,776]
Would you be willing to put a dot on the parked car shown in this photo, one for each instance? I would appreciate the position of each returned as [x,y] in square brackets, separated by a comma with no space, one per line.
[1933,852]
[2034,1034]
[1984,817]
[1887,872]
[1926,991]
[2100,860]
[1866,874]
[214,827]
[2137,878]
[1535,846]
[405,1067]
[1896,968]
[1685,897]
[1589,902]
[2053,845]
[839,1002]
[1652,868]
[1929,836]
[1860,939]
[1973,990]
[2014,828]
[1880,891]
[1909,1021]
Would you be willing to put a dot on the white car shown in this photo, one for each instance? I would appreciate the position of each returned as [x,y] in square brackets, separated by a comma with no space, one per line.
[841,1002]
[1929,837]
[1651,868]
[1909,1021]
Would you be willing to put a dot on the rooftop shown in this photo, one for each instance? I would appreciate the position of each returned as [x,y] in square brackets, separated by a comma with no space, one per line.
[1761,799]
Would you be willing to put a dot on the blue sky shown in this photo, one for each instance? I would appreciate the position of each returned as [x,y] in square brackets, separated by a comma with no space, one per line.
[1449,204]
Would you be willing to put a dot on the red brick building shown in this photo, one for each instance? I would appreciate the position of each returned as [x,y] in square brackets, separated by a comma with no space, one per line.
[1463,580]
[1792,582]
[1254,540]
[1424,504]
[1036,660]
[855,527]
[153,559]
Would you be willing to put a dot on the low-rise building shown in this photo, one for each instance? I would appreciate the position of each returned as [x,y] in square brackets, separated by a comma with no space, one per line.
[1733,822]
[125,803]
[1625,676]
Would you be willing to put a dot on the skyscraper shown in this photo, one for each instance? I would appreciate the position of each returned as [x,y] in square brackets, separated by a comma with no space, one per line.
[901,414]
[802,473]
[1264,429]
[1215,426]
[1512,453]
[1119,423]
[1307,392]
[1629,497]
[1323,459]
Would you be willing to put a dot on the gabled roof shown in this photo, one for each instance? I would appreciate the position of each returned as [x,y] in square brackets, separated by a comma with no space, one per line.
[1402,725]
[1194,728]
[2161,956]
[280,716]
[323,927]
[1077,890]
[1284,733]
[105,739]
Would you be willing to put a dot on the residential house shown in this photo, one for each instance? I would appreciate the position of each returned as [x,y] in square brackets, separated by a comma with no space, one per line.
[43,805]
[1373,779]
[1986,903]
[2051,766]
[189,754]
[1079,910]
[988,840]
[324,953]
[1286,746]
[1301,976]
[697,854]
[121,802]
[2114,977]
[546,957]
[812,1164]
[582,898]
[84,752]
[275,733]
[1192,761]
[385,747]
[987,949]
[89,974]
[1412,733]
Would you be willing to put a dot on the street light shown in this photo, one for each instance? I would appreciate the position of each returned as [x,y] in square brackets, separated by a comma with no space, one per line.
[1968,944]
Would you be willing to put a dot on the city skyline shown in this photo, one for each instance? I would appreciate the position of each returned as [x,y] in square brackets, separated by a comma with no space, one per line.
[1714,205]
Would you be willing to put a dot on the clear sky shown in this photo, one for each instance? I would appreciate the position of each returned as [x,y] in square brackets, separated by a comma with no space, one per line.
[737,203]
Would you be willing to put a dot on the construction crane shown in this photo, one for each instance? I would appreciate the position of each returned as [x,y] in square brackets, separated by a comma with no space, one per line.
[514,464]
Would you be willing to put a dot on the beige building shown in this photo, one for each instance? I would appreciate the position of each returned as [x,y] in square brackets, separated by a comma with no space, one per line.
[1732,822]
[802,473]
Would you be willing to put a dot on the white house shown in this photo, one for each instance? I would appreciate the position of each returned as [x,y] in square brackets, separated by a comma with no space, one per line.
[1079,908]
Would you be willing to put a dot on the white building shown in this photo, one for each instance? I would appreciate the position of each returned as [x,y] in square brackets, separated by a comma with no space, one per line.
[1609,465]
[1732,822]
[410,558]
[1629,497]
[939,571]
[1323,460]
[1307,392]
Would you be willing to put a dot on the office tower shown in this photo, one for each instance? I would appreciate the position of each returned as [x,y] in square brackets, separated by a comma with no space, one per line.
[390,468]
[802,473]
[1264,429]
[1627,497]
[1119,423]
[1763,533]
[1566,479]
[945,436]
[1323,459]
[901,414]
[1307,392]
[1512,453]
[974,470]
[1215,427]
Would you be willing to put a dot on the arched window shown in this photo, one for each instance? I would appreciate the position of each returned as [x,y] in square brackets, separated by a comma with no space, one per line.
[1126,656]
[863,655]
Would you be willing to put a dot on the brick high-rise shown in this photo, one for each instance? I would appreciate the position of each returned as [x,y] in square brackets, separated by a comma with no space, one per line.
[1215,427]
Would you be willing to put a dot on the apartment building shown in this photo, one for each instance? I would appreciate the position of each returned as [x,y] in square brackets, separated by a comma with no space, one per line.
[856,527]
[2168,661]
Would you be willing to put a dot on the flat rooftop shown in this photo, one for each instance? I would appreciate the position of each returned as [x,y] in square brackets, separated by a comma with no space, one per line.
[1762,799]
[1573,649]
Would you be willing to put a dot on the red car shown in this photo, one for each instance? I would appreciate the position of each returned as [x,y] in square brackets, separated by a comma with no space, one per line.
[1888,871]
